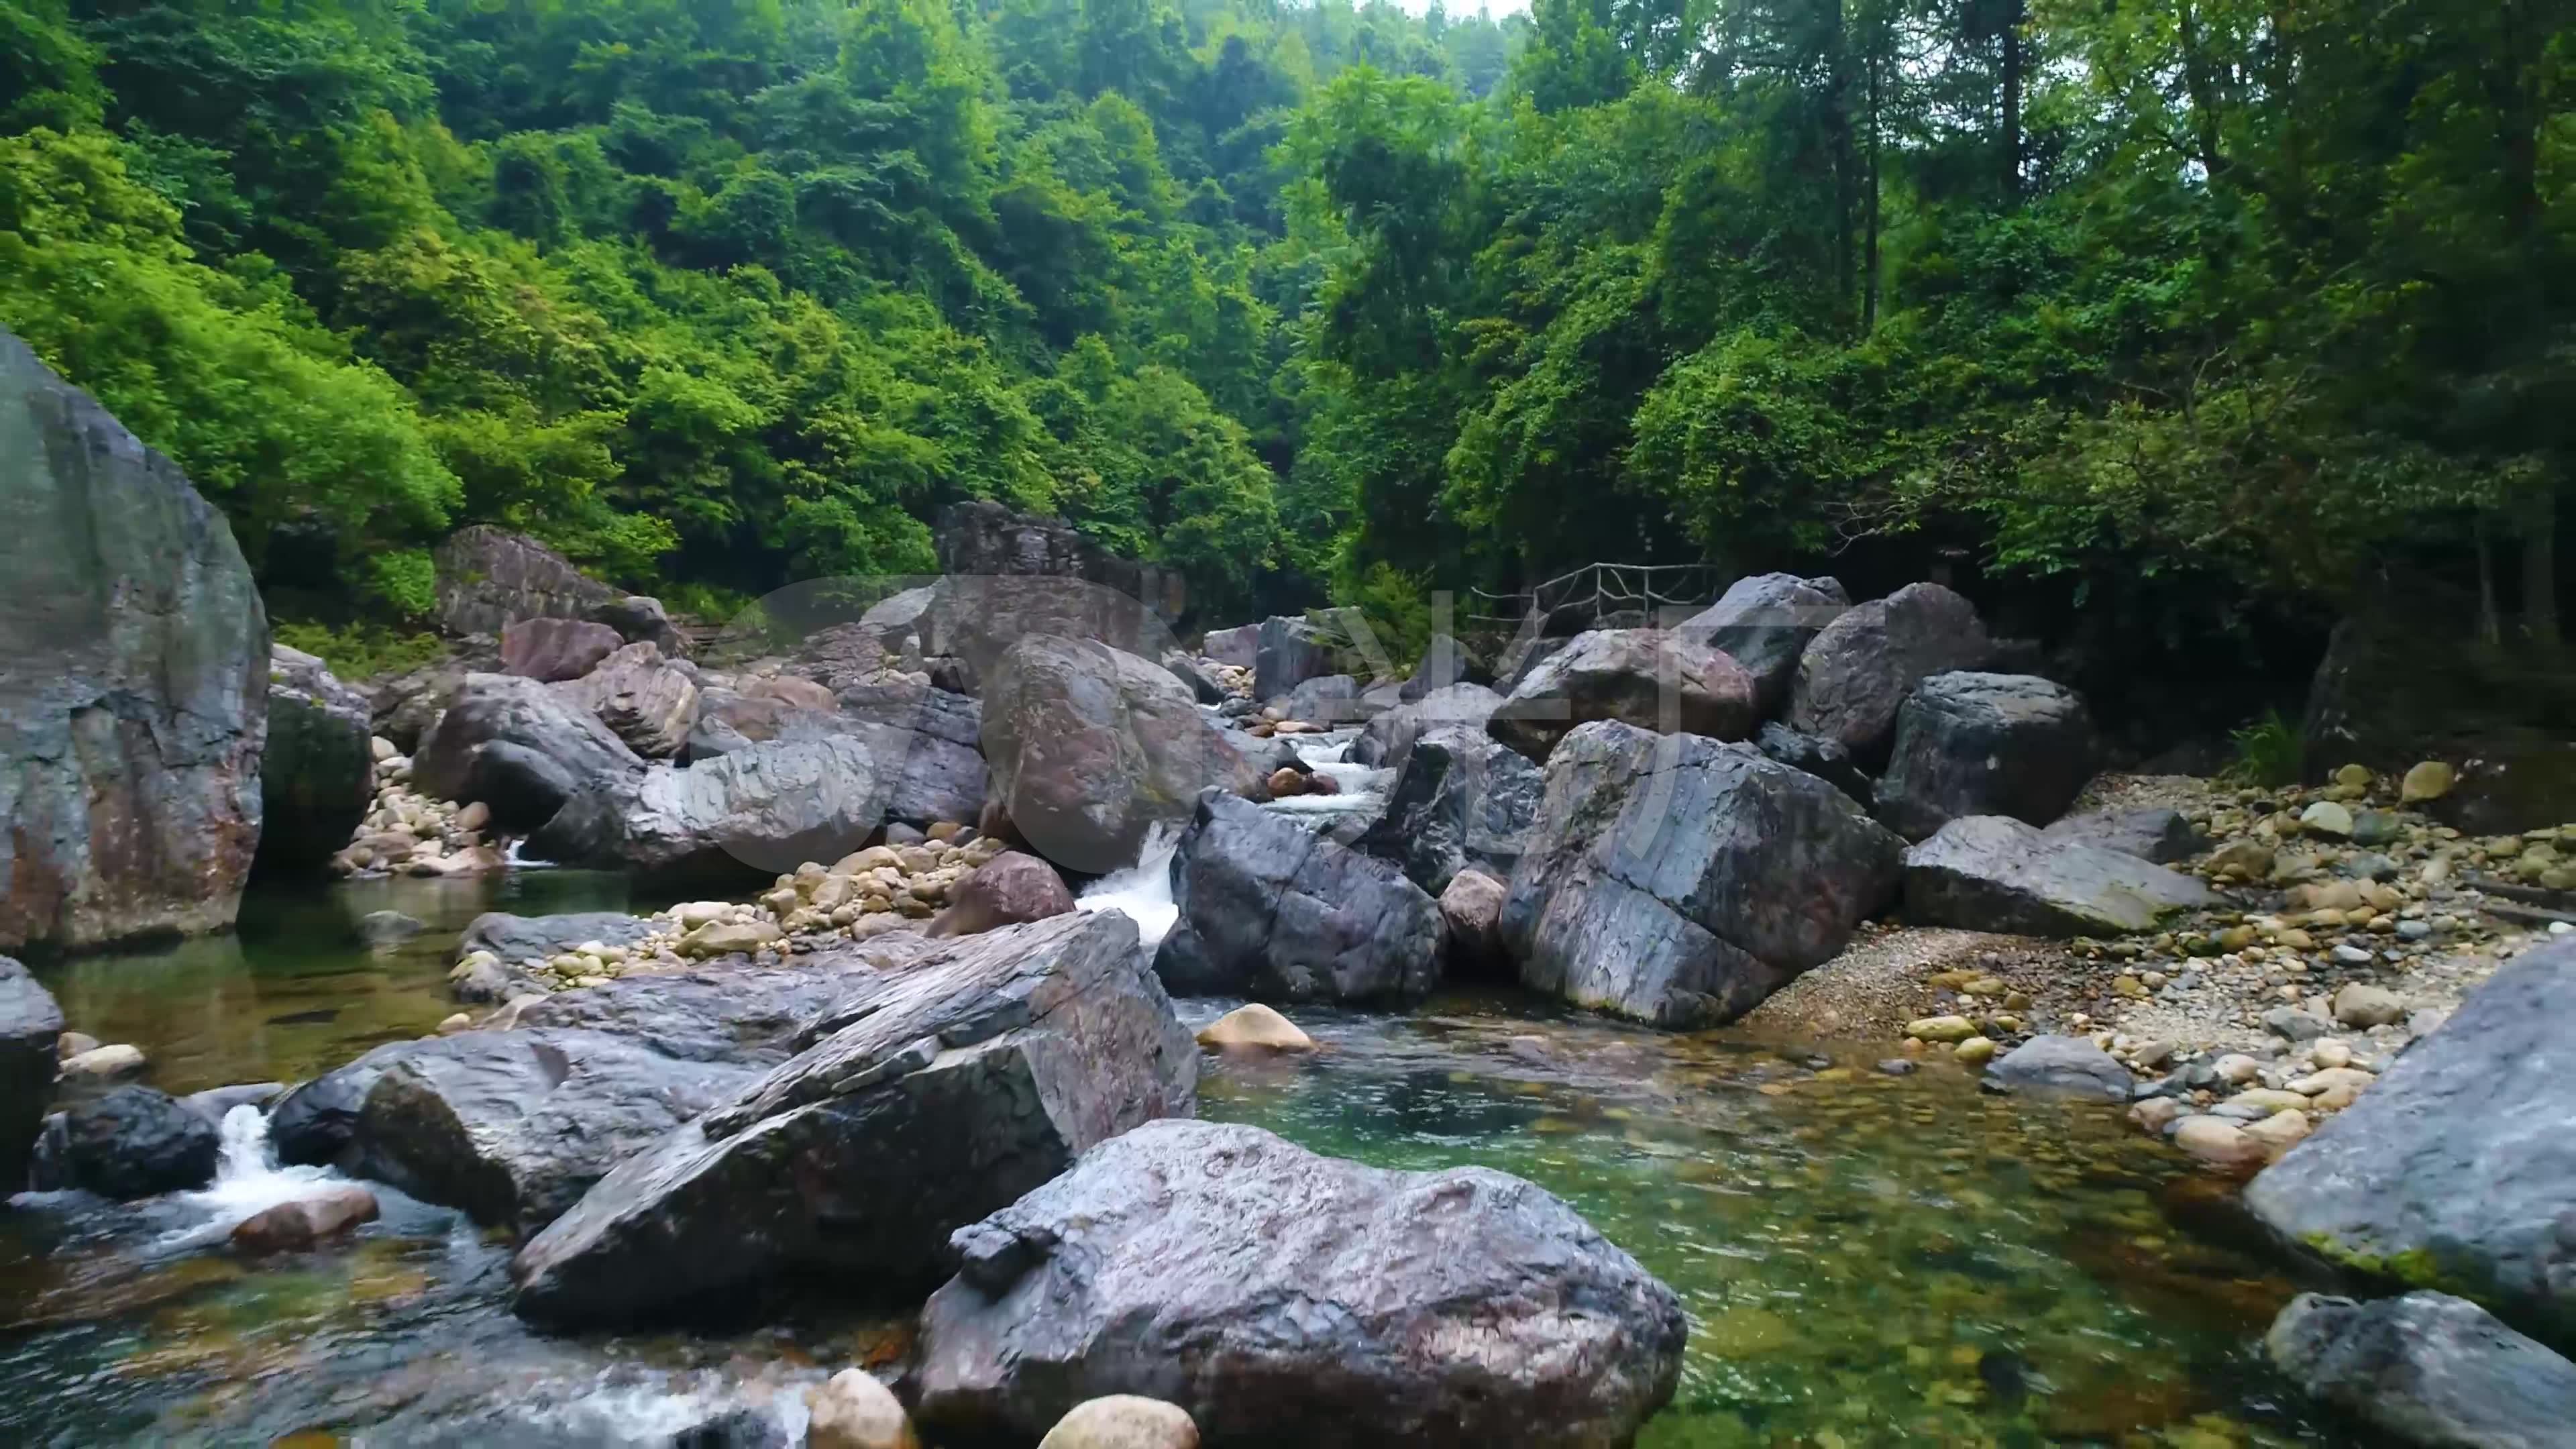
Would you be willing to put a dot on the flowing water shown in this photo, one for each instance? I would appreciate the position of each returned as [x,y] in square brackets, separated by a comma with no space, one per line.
[1868,1260]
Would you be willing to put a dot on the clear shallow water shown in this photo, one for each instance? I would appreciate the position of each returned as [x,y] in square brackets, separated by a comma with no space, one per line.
[1868,1260]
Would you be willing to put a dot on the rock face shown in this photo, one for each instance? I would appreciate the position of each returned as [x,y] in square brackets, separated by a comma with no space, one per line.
[1858,670]
[549,650]
[1239,646]
[30,1024]
[2457,1170]
[1326,699]
[760,810]
[1008,890]
[1090,747]
[133,1142]
[1270,909]
[1384,741]
[1653,679]
[1280,1297]
[1993,873]
[1459,799]
[978,537]
[1679,881]
[973,1076]
[317,776]
[1985,744]
[520,748]
[1825,759]
[643,699]
[2159,834]
[2427,1369]
[937,735]
[2070,1066]
[133,681]
[1286,653]
[1764,623]
[490,578]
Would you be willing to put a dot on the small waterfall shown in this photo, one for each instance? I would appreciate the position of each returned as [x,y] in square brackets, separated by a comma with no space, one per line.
[1362,789]
[1142,891]
[511,857]
[246,1182]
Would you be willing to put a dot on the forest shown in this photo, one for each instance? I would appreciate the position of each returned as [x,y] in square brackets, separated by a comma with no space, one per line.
[2187,315]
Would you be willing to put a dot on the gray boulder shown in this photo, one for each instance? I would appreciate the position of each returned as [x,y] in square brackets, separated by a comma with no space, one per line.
[1764,623]
[1858,669]
[2069,1066]
[1383,742]
[133,681]
[2156,833]
[763,809]
[490,578]
[1825,759]
[543,751]
[737,1016]
[1994,873]
[1281,1297]
[552,650]
[1091,747]
[131,1142]
[1678,880]
[1327,699]
[1286,653]
[641,619]
[1239,646]
[1444,662]
[1653,679]
[30,1024]
[1985,744]
[2457,1170]
[978,537]
[518,938]
[317,776]
[2427,1369]
[1460,799]
[972,1076]
[932,736]
[1270,909]
[645,700]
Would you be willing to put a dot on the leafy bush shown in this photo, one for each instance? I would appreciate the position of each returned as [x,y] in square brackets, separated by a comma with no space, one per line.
[360,651]
[2269,752]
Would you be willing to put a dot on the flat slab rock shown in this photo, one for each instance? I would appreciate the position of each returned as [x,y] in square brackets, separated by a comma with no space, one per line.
[1994,873]
[977,1073]
[2458,1169]
[1283,1297]
[2427,1368]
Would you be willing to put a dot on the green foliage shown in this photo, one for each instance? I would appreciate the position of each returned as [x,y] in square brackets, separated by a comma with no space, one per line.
[361,651]
[2269,752]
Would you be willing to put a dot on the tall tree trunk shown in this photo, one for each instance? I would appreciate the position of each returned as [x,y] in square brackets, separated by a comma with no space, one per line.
[2012,101]
[2490,618]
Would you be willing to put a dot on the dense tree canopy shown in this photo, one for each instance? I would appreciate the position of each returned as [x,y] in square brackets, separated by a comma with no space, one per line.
[2188,304]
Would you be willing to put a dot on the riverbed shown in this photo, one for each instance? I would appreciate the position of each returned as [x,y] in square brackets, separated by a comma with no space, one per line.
[1868,1259]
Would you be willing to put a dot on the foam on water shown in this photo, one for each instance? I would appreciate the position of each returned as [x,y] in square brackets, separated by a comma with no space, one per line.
[247,1182]
[1143,891]
[1362,789]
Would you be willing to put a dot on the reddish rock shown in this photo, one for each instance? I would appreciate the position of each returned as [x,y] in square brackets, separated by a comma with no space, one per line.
[291,1226]
[549,650]
[1008,889]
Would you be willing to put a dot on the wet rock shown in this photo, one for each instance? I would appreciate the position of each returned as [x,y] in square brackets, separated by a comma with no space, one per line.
[299,1224]
[1123,1421]
[490,578]
[972,1076]
[1463,1307]
[643,699]
[133,681]
[1255,1026]
[132,1142]
[1653,679]
[1858,670]
[1993,873]
[521,749]
[317,770]
[1985,744]
[2455,1170]
[2155,834]
[215,1102]
[2219,1142]
[1677,880]
[30,1026]
[2426,1368]
[1091,748]
[733,1429]
[854,1411]
[1385,741]
[1007,890]
[1825,759]
[517,938]
[1460,799]
[550,650]
[761,810]
[1269,908]
[1765,623]
[2062,1065]
[387,928]
[1286,653]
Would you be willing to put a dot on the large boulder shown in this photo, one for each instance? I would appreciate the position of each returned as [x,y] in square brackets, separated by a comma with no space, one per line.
[1985,744]
[1764,623]
[1239,646]
[2064,1066]
[1651,678]
[2427,1369]
[2158,833]
[1385,740]
[1460,799]
[641,619]
[1269,908]
[1825,759]
[1281,1297]
[974,1075]
[1286,653]
[1007,890]
[646,701]
[1858,669]
[133,681]
[490,578]
[521,749]
[1679,880]
[552,650]
[131,1142]
[1092,747]
[1994,873]
[761,810]
[30,1025]
[1327,699]
[318,774]
[935,734]
[2457,1170]
[729,1014]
